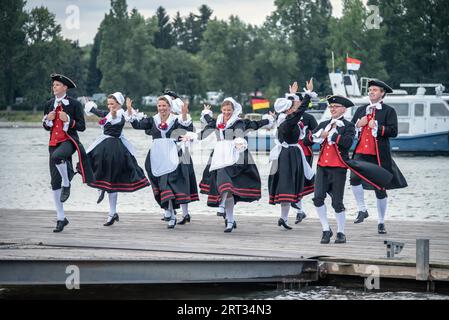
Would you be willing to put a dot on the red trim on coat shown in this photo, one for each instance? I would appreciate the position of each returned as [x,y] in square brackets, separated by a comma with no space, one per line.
[338,138]
[79,157]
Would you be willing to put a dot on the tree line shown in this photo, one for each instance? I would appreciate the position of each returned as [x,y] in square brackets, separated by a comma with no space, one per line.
[198,53]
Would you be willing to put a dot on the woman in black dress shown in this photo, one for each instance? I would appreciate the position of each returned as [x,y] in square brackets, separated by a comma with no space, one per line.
[112,157]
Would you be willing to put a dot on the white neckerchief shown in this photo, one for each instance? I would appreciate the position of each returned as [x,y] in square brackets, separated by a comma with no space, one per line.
[372,106]
[63,100]
[317,135]
[117,119]
[170,122]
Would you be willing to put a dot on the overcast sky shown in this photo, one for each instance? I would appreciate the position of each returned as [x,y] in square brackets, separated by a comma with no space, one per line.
[91,12]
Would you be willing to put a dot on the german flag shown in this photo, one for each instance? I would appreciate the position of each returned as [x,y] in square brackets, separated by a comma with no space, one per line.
[260,103]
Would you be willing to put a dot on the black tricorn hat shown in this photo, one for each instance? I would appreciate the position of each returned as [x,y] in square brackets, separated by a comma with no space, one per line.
[380,84]
[63,79]
[340,100]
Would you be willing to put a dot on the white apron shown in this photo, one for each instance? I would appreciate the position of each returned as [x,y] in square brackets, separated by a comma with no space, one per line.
[163,156]
[225,155]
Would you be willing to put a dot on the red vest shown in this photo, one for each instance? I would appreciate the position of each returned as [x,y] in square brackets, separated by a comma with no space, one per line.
[329,156]
[58,135]
[367,143]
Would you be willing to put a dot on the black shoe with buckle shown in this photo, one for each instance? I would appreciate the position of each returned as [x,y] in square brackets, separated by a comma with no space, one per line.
[101,197]
[362,215]
[60,224]
[65,193]
[230,226]
[281,222]
[381,228]
[115,217]
[341,238]
[326,237]
[185,219]
[171,223]
[300,216]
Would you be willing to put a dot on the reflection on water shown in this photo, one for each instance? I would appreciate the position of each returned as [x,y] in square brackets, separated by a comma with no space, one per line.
[209,291]
[25,181]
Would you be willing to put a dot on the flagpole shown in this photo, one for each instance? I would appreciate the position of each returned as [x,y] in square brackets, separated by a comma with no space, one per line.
[346,62]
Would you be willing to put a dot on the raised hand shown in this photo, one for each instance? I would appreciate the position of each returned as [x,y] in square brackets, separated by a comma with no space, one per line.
[129,105]
[294,87]
[309,84]
[207,106]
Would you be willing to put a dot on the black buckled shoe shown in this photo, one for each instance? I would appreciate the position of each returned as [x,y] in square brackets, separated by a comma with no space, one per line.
[230,226]
[326,237]
[185,219]
[281,222]
[300,216]
[65,193]
[341,238]
[115,217]
[166,217]
[381,228]
[101,197]
[362,215]
[60,224]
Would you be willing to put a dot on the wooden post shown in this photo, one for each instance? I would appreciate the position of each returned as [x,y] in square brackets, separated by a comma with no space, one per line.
[422,259]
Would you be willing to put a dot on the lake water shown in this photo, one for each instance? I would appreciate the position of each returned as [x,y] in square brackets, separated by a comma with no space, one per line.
[25,184]
[25,181]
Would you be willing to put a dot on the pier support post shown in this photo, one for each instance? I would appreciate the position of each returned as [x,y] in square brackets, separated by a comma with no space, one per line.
[422,259]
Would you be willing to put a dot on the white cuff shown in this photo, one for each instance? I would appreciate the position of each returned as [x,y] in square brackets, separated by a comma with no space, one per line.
[186,123]
[317,137]
[134,116]
[66,124]
[48,123]
[191,136]
[203,113]
[270,119]
[374,131]
[312,94]
[240,144]
[89,106]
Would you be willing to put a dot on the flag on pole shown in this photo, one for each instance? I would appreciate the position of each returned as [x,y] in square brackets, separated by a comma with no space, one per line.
[260,103]
[353,64]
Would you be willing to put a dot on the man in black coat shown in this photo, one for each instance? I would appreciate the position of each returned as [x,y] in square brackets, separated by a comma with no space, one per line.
[376,123]
[336,137]
[63,118]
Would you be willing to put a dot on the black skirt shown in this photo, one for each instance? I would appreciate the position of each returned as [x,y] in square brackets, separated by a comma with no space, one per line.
[115,168]
[241,179]
[286,180]
[179,185]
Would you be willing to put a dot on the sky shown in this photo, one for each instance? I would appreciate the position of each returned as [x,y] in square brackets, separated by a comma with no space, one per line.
[91,12]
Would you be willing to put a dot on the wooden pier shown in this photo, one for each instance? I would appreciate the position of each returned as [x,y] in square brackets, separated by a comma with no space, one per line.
[140,249]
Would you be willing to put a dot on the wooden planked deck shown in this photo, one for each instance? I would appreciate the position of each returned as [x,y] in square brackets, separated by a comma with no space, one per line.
[27,235]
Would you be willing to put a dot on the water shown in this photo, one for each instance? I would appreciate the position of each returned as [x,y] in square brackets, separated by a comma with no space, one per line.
[25,181]
[25,184]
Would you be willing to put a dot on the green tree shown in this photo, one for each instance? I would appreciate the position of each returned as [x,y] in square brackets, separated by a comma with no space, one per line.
[225,53]
[12,43]
[47,53]
[350,36]
[112,56]
[94,74]
[181,71]
[164,36]
[305,25]
[140,70]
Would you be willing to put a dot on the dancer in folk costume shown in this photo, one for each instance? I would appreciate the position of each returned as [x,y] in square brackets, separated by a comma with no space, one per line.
[171,181]
[289,167]
[112,157]
[307,124]
[63,118]
[376,123]
[186,159]
[230,175]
